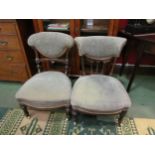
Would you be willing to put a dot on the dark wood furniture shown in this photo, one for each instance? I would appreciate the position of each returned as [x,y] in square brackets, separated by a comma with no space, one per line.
[14,64]
[144,44]
[78,27]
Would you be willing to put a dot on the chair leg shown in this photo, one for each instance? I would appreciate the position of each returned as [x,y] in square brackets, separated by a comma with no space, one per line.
[68,112]
[121,116]
[74,114]
[24,107]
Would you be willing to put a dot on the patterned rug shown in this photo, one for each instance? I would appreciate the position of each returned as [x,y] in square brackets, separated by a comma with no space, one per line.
[13,122]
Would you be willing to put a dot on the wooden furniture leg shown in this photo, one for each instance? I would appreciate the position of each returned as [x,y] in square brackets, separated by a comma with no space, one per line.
[121,116]
[68,112]
[138,59]
[74,114]
[24,107]
[125,53]
[124,60]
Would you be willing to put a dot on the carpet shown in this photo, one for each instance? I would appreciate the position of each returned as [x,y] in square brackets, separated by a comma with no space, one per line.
[13,122]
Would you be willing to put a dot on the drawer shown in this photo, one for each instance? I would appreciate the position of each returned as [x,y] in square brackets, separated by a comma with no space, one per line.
[9,42]
[13,72]
[11,57]
[8,28]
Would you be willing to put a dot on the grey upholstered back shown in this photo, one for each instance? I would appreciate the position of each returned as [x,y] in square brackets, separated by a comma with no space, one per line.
[100,46]
[51,44]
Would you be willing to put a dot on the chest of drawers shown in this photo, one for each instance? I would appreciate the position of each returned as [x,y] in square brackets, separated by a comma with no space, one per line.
[14,64]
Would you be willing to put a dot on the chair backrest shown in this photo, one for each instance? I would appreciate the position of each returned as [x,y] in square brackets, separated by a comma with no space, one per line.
[100,52]
[51,45]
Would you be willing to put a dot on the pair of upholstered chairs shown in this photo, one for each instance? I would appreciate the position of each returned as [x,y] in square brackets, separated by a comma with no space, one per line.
[95,93]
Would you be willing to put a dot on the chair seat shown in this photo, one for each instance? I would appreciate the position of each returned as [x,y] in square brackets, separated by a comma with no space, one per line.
[46,89]
[99,93]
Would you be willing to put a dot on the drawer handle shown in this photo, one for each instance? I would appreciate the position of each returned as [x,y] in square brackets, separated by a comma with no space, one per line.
[9,58]
[3,43]
[0,29]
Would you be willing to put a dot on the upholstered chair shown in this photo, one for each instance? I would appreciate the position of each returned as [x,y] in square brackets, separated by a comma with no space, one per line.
[97,92]
[47,89]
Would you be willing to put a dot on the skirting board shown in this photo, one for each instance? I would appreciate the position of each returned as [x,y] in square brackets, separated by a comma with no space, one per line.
[146,69]
[132,65]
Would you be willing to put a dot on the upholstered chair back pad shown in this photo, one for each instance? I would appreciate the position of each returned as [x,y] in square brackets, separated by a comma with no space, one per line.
[100,46]
[51,44]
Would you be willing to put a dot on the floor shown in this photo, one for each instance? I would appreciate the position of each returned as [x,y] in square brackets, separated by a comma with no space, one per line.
[142,95]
